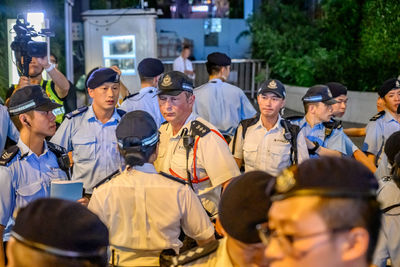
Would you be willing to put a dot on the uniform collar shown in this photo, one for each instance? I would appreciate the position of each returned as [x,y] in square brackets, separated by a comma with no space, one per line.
[304,123]
[189,119]
[147,168]
[277,126]
[91,116]
[216,80]
[25,150]
[388,116]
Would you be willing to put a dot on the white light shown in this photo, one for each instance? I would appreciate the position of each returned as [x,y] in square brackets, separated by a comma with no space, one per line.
[36,19]
[199,8]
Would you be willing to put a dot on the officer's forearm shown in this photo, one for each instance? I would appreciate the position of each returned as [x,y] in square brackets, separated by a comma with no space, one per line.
[354,132]
[2,256]
[322,151]
[61,83]
[371,157]
[239,162]
[361,157]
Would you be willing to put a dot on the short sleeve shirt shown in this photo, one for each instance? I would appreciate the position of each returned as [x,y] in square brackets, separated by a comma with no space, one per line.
[213,164]
[93,145]
[223,105]
[265,150]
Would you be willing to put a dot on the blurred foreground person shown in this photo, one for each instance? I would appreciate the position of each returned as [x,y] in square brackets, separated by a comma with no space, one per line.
[324,213]
[244,205]
[144,210]
[54,232]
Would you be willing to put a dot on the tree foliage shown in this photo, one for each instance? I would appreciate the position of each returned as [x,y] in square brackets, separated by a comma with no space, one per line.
[348,41]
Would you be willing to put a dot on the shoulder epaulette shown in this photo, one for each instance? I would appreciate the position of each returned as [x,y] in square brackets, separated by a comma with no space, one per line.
[108,178]
[165,122]
[199,128]
[294,118]
[173,178]
[378,115]
[76,112]
[56,149]
[189,255]
[129,96]
[8,155]
[121,112]
[249,122]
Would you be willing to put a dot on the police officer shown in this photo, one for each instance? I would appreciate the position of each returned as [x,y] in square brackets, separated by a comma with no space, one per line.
[55,232]
[219,102]
[7,128]
[388,175]
[191,148]
[56,89]
[150,70]
[89,132]
[386,122]
[324,213]
[243,206]
[322,139]
[27,169]
[339,93]
[267,142]
[152,206]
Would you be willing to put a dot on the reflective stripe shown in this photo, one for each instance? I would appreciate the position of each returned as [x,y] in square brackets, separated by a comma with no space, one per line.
[58,112]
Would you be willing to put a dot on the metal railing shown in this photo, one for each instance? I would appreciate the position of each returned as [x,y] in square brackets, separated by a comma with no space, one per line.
[243,73]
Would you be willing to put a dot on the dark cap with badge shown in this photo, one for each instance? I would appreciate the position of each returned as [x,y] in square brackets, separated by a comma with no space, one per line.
[389,85]
[219,59]
[337,89]
[272,86]
[100,76]
[62,228]
[330,177]
[150,67]
[173,83]
[244,204]
[137,129]
[29,98]
[319,93]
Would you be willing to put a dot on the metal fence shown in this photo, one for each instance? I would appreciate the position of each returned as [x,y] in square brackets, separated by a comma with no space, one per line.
[243,73]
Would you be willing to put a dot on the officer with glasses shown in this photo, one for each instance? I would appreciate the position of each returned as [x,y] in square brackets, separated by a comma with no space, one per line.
[324,213]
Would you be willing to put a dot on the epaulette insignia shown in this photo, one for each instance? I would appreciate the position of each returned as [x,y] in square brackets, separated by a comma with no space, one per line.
[173,178]
[76,112]
[165,122]
[199,128]
[129,96]
[54,147]
[378,115]
[8,155]
[193,254]
[121,112]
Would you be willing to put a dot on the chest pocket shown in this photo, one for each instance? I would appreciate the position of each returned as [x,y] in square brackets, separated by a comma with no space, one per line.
[84,148]
[250,155]
[280,155]
[29,192]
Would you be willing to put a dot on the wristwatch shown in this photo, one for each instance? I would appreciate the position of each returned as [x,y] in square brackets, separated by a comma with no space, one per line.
[313,150]
[52,66]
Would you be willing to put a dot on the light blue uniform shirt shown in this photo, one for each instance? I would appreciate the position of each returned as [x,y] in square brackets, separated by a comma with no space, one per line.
[223,105]
[145,100]
[388,246]
[7,128]
[336,141]
[93,145]
[378,132]
[26,178]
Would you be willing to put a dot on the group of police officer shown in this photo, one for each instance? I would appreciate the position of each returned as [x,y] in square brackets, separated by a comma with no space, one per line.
[161,166]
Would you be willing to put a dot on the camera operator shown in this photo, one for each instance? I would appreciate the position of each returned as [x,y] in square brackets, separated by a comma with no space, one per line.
[57,88]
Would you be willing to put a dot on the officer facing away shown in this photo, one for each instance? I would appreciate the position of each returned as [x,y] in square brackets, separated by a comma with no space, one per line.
[54,232]
[191,148]
[27,169]
[324,213]
[267,141]
[89,132]
[152,207]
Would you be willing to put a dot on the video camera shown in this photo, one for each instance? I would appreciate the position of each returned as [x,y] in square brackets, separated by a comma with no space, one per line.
[24,47]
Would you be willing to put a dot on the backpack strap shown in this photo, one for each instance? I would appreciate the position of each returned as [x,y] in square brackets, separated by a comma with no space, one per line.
[291,133]
[108,178]
[330,126]
[245,124]
[129,96]
[173,178]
